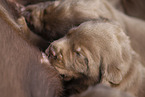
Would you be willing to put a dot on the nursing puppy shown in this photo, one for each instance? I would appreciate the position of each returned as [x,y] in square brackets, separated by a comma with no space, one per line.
[34,15]
[31,37]
[60,16]
[97,52]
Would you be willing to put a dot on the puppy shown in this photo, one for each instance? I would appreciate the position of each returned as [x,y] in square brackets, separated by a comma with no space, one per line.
[60,16]
[97,52]
[34,15]
[14,9]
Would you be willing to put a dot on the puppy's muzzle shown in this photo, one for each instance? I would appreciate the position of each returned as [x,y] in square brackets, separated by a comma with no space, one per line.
[53,52]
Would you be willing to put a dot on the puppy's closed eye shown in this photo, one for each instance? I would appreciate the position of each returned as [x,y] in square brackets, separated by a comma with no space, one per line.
[78,52]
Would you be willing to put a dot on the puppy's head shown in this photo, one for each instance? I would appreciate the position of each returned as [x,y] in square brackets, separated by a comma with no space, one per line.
[53,20]
[34,15]
[96,49]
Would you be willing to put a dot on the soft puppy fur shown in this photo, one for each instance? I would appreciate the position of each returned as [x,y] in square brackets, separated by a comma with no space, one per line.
[34,15]
[97,52]
[60,16]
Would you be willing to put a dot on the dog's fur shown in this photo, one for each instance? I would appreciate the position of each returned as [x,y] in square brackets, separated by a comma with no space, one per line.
[97,52]
[134,8]
[31,37]
[26,33]
[102,91]
[21,72]
[27,2]
[117,4]
[60,16]
[34,15]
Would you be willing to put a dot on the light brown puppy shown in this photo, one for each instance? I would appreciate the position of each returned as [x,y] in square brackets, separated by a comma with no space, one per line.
[97,52]
[102,91]
[61,15]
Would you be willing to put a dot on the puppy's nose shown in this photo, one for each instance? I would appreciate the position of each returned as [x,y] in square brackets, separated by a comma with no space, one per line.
[51,51]
[54,52]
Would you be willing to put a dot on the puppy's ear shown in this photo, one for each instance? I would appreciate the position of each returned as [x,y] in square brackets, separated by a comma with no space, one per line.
[111,74]
[112,68]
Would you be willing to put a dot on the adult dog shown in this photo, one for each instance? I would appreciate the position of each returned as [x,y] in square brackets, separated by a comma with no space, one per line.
[97,52]
[54,21]
[22,72]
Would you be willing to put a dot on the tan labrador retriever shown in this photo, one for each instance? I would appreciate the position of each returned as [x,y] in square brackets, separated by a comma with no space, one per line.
[97,52]
[55,20]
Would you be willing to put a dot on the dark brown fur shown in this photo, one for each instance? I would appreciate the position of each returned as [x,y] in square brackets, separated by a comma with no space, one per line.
[134,8]
[27,2]
[29,35]
[21,72]
[38,19]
